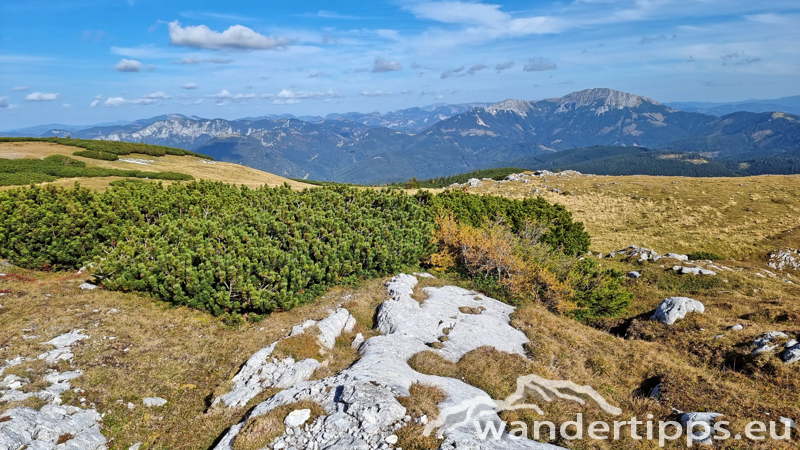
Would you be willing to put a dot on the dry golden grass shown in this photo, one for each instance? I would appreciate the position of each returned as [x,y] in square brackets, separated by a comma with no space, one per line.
[182,355]
[199,168]
[422,401]
[259,431]
[734,217]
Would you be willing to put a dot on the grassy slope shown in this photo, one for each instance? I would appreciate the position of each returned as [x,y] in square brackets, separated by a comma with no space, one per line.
[198,168]
[185,356]
[733,217]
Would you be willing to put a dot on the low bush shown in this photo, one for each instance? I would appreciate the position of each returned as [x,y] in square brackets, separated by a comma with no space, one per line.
[98,149]
[15,172]
[696,256]
[235,251]
[528,268]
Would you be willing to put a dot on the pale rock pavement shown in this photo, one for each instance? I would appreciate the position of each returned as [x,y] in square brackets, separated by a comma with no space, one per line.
[361,401]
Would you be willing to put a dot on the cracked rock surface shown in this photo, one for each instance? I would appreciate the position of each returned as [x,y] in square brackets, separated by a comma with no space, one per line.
[361,401]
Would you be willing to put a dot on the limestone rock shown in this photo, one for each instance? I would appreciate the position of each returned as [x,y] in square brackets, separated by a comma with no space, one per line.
[332,326]
[154,402]
[87,286]
[693,270]
[62,344]
[361,404]
[675,308]
[357,341]
[474,182]
[737,327]
[698,434]
[41,429]
[297,417]
[792,355]
[634,274]
[677,256]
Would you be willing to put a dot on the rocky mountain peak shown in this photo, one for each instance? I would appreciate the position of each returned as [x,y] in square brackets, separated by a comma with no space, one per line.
[601,100]
[520,107]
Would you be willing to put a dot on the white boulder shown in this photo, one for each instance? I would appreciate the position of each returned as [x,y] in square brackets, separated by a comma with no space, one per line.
[675,308]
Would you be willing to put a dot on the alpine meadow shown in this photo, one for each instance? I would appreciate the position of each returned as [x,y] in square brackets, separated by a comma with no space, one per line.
[399,225]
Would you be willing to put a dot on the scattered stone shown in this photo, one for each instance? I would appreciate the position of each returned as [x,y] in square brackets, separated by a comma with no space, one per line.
[391,440]
[474,182]
[693,270]
[782,259]
[135,446]
[677,256]
[792,355]
[675,308]
[297,417]
[357,341]
[423,275]
[87,286]
[154,402]
[62,344]
[700,436]
[634,274]
[768,337]
[737,327]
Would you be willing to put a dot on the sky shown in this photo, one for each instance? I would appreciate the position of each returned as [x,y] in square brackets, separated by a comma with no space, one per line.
[94,61]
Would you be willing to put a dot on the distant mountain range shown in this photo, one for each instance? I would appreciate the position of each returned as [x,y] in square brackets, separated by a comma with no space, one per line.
[448,139]
[789,105]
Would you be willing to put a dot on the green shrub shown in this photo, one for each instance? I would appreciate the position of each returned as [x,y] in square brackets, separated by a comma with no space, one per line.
[695,256]
[94,154]
[14,172]
[475,210]
[231,250]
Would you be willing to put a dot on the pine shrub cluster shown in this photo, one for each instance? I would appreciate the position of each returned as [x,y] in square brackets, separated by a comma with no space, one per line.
[232,250]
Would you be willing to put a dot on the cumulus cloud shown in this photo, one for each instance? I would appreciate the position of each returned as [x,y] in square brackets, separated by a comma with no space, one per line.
[94,103]
[4,103]
[196,60]
[504,65]
[377,93]
[538,64]
[157,96]
[285,101]
[237,37]
[41,97]
[451,72]
[189,86]
[114,102]
[21,89]
[66,106]
[243,97]
[382,65]
[128,65]
[221,95]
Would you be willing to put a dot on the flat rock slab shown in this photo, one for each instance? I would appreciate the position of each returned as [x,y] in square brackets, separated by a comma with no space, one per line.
[361,404]
[297,417]
[675,308]
[693,270]
[42,429]
[154,401]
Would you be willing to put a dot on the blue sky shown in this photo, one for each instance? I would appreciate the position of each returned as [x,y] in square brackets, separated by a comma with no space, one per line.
[89,61]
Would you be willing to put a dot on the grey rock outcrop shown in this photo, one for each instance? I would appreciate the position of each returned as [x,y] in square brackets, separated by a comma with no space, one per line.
[62,346]
[41,430]
[297,417]
[87,286]
[703,434]
[361,405]
[261,372]
[153,402]
[693,270]
[634,274]
[677,256]
[675,308]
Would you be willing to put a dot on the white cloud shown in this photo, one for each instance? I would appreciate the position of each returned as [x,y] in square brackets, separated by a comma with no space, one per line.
[538,64]
[128,65]
[4,103]
[94,103]
[157,96]
[316,74]
[221,95]
[382,65]
[66,106]
[504,65]
[287,94]
[288,101]
[189,86]
[41,97]
[115,101]
[377,93]
[196,60]
[20,88]
[243,97]
[236,37]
